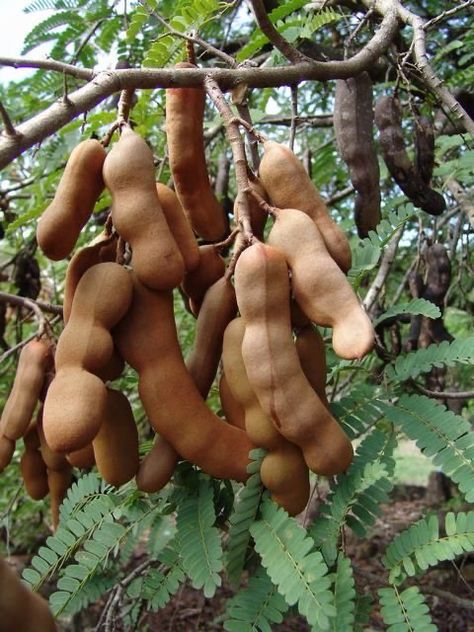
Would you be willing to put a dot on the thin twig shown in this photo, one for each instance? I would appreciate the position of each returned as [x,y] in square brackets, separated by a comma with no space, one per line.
[384,268]
[294,116]
[443,394]
[35,306]
[446,14]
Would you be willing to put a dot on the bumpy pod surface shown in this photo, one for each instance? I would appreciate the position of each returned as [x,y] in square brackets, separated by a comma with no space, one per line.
[184,130]
[77,192]
[403,171]
[129,174]
[273,368]
[353,126]
[319,286]
[289,186]
[157,467]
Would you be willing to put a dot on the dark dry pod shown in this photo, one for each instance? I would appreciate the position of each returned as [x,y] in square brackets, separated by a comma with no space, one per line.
[403,171]
[353,126]
[424,147]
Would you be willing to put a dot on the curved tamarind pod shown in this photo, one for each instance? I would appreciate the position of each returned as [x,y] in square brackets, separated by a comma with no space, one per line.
[286,460]
[353,126]
[424,148]
[233,411]
[211,268]
[157,467]
[319,286]
[53,460]
[34,474]
[258,217]
[84,458]
[103,248]
[7,449]
[217,310]
[299,320]
[77,192]
[116,443]
[289,186]
[129,174]
[312,355]
[147,340]
[184,130]
[21,609]
[403,171]
[272,364]
[58,483]
[113,369]
[36,359]
[179,226]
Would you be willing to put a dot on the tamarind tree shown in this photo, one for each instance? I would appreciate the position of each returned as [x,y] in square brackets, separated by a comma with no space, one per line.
[375,98]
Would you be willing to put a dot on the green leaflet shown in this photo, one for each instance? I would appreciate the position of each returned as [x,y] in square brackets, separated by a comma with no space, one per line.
[421,546]
[160,585]
[344,596]
[255,607]
[410,365]
[199,540]
[440,434]
[358,411]
[416,306]
[405,611]
[300,575]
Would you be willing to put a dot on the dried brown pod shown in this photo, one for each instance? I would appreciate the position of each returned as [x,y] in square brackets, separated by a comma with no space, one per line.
[424,147]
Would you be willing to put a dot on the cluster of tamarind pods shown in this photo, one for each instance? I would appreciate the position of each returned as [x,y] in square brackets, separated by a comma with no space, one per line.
[258,327]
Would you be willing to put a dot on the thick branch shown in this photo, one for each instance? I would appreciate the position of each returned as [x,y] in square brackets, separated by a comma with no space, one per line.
[103,84]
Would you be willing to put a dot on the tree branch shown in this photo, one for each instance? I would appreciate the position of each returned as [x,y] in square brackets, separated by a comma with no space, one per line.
[384,268]
[7,124]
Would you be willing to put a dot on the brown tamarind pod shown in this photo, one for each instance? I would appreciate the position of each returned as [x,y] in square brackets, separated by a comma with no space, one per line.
[34,474]
[184,131]
[58,483]
[285,472]
[319,286]
[289,186]
[113,369]
[21,609]
[147,340]
[424,147]
[403,171]
[7,449]
[129,174]
[157,468]
[353,126]
[312,355]
[233,410]
[179,226]
[299,320]
[272,364]
[53,460]
[217,310]
[77,192]
[84,458]
[211,268]
[116,443]
[102,248]
[36,359]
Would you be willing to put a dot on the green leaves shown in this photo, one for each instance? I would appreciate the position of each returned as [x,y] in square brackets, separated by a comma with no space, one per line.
[405,611]
[416,306]
[300,574]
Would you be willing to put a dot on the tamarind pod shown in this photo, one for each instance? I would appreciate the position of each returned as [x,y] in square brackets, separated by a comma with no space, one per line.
[129,174]
[353,126]
[403,171]
[147,340]
[233,411]
[285,473]
[184,131]
[113,369]
[258,217]
[31,439]
[272,364]
[179,226]
[312,355]
[35,360]
[21,609]
[211,268]
[424,147]
[438,274]
[217,310]
[157,468]
[33,472]
[84,458]
[74,409]
[319,286]
[102,249]
[116,443]
[58,483]
[289,186]
[78,190]
[299,320]
[53,460]
[7,449]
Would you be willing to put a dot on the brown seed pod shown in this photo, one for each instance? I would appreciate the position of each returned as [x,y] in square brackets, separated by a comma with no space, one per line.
[289,186]
[403,171]
[233,411]
[184,131]
[7,449]
[58,483]
[34,474]
[424,147]
[77,192]
[157,467]
[312,355]
[353,126]
[196,283]
[84,458]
